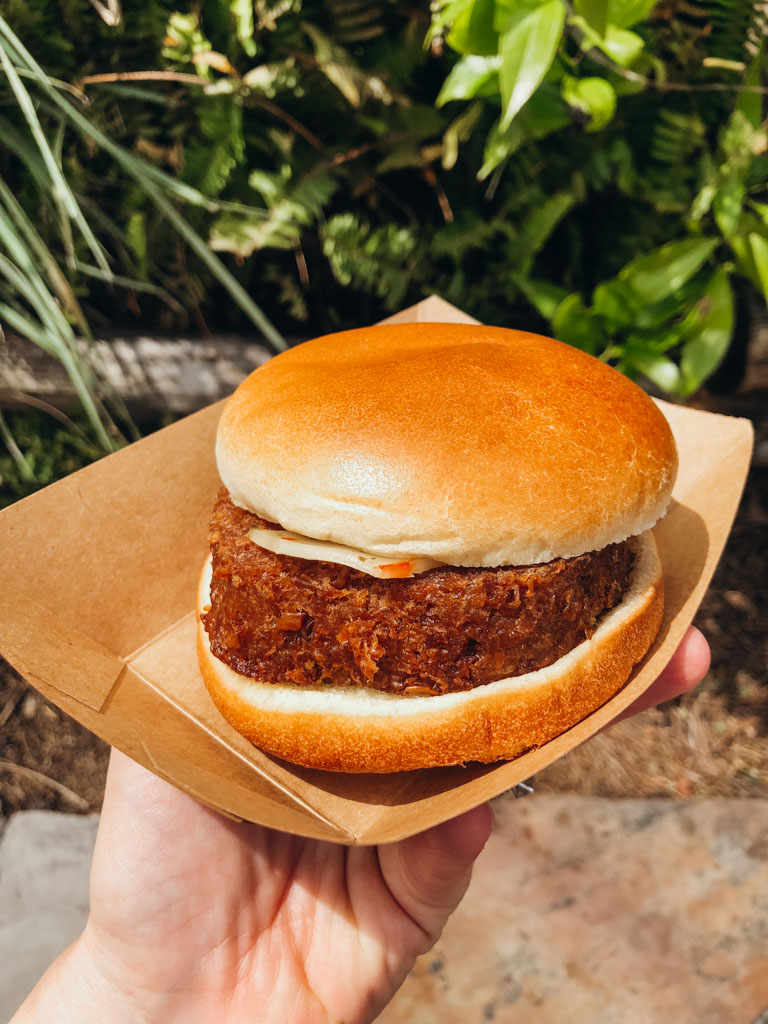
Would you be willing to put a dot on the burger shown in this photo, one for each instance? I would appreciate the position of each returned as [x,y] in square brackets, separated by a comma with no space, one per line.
[431,547]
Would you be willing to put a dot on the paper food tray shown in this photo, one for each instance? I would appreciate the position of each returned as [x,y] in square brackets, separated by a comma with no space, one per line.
[97,589]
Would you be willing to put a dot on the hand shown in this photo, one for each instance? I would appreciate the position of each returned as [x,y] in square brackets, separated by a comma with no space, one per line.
[687,667]
[195,918]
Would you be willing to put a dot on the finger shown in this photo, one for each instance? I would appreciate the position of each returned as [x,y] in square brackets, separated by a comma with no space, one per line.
[429,873]
[686,669]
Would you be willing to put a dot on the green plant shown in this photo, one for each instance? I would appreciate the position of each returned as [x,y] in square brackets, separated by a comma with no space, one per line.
[341,168]
[42,446]
[37,285]
[630,78]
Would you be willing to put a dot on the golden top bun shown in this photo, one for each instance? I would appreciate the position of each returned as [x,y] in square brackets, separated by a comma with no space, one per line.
[472,445]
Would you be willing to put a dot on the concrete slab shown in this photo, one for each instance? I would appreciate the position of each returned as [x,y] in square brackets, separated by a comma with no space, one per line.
[44,866]
[582,910]
[597,911]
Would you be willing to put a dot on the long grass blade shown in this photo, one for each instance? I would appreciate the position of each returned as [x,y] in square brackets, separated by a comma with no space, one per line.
[147,178]
[28,328]
[15,452]
[52,339]
[23,275]
[35,244]
[59,187]
[131,282]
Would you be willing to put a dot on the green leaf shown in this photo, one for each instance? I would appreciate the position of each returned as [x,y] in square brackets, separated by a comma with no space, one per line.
[376,260]
[527,48]
[472,30]
[542,295]
[136,233]
[594,97]
[185,37]
[354,83]
[574,324]
[498,146]
[539,225]
[750,104]
[758,247]
[544,113]
[594,12]
[727,204]
[459,131]
[408,154]
[659,369]
[467,78]
[617,303]
[626,13]
[242,11]
[335,64]
[622,46]
[59,187]
[291,208]
[659,274]
[709,335]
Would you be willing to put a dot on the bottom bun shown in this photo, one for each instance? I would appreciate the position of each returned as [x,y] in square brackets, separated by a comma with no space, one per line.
[359,730]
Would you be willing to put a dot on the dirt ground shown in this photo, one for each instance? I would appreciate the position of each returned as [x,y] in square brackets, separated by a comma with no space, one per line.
[711,742]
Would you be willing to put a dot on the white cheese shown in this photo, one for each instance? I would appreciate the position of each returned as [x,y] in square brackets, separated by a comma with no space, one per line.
[285,542]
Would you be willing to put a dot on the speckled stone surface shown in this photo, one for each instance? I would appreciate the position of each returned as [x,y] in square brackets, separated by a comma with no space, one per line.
[581,911]
[45,861]
[589,911]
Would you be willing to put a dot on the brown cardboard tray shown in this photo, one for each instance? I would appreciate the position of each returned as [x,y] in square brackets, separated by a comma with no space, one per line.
[97,588]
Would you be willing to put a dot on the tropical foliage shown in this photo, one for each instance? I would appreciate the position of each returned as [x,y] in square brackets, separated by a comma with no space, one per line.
[597,169]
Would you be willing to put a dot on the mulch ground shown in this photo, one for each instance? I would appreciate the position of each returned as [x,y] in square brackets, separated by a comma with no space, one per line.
[710,742]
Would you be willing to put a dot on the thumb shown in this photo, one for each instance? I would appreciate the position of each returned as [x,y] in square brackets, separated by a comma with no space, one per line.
[429,873]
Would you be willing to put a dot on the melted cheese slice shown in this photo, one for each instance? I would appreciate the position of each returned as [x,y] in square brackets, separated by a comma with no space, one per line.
[285,542]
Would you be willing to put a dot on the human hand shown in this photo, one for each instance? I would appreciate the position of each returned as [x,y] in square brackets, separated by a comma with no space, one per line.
[196,918]
[684,671]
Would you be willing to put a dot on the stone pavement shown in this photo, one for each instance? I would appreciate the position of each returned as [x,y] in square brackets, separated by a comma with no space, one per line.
[589,911]
[44,864]
[581,911]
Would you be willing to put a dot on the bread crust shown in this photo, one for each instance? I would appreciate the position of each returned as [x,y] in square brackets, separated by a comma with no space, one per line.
[469,444]
[364,731]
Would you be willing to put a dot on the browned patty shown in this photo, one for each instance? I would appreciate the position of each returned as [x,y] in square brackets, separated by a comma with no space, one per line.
[281,619]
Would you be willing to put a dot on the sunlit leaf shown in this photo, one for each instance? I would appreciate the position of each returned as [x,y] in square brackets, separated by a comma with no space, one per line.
[659,369]
[727,205]
[750,104]
[593,97]
[758,247]
[467,78]
[658,274]
[242,11]
[499,145]
[527,48]
[472,30]
[626,13]
[709,335]
[574,324]
[617,303]
[542,295]
[622,46]
[594,12]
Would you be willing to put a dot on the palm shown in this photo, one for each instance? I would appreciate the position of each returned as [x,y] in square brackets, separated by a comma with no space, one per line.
[278,927]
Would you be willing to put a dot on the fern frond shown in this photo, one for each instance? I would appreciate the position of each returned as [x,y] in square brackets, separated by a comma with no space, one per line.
[355,21]
[733,24]
[376,260]
[292,208]
[675,137]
